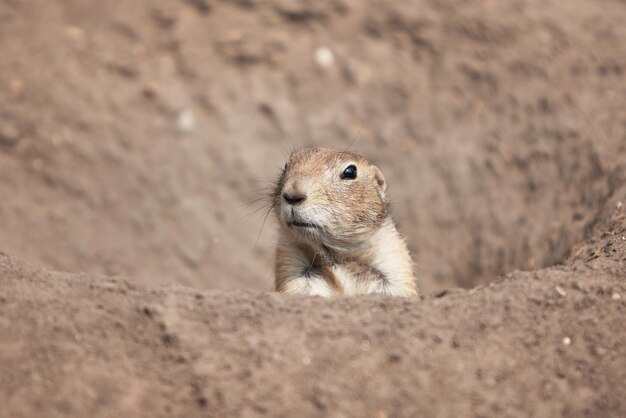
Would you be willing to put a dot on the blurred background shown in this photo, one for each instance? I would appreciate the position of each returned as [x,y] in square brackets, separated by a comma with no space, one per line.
[135,135]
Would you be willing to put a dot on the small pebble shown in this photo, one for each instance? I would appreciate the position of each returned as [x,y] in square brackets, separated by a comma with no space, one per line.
[616,296]
[560,291]
[186,120]
[567,341]
[306,361]
[324,57]
[619,204]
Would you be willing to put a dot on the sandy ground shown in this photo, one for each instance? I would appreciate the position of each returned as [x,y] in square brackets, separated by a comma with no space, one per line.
[545,343]
[136,136]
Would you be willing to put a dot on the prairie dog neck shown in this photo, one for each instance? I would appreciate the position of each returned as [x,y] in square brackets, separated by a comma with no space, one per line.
[384,251]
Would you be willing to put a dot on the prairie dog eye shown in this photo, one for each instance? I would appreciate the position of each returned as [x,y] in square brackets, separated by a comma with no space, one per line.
[349,173]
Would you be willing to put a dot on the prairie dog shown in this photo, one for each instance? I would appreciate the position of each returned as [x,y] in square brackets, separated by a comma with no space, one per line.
[336,234]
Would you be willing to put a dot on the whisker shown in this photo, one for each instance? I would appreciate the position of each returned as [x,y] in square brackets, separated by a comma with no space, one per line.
[354,139]
[264,202]
[265,197]
[261,181]
[262,191]
[267,190]
[293,146]
[269,206]
[282,147]
[262,226]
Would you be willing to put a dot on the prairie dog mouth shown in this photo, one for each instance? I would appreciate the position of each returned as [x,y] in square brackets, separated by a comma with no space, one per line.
[298,224]
[295,221]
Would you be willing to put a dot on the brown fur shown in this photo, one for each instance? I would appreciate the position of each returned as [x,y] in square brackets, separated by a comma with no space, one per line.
[350,244]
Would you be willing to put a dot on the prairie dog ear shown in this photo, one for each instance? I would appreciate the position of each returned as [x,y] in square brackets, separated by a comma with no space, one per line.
[380,179]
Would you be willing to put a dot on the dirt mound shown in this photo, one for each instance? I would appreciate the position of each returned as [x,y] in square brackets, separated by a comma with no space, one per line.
[546,343]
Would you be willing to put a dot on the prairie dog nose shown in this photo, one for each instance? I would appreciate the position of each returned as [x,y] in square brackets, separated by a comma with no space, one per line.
[294,198]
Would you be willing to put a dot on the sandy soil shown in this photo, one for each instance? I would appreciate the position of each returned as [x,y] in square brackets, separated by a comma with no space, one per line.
[135,137]
[546,343]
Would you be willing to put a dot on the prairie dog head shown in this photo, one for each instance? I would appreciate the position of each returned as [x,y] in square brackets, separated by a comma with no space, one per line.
[336,198]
